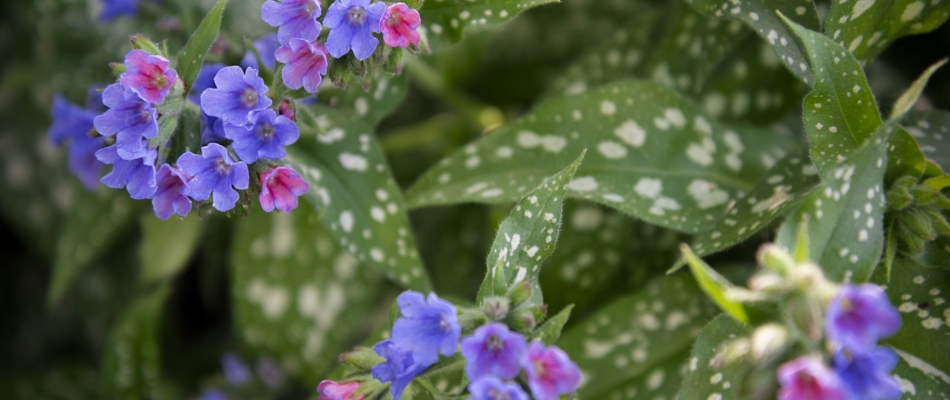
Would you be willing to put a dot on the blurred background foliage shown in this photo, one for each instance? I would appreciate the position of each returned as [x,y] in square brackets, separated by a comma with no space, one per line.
[58,350]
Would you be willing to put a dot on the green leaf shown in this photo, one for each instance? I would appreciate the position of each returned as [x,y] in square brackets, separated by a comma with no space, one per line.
[551,329]
[494,284]
[931,129]
[715,286]
[703,380]
[910,97]
[193,54]
[662,381]
[528,236]
[444,21]
[383,94]
[353,190]
[762,17]
[633,336]
[918,379]
[97,220]
[295,291]
[654,155]
[866,27]
[167,246]
[904,156]
[936,253]
[131,367]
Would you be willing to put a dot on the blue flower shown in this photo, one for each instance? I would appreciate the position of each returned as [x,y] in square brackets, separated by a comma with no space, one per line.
[236,372]
[297,19]
[129,118]
[496,389]
[212,129]
[265,46]
[859,316]
[264,137]
[137,176]
[112,9]
[94,98]
[426,328]
[352,24]
[204,81]
[169,197]
[868,375]
[493,350]
[213,394]
[83,162]
[214,172]
[237,94]
[72,124]
[399,367]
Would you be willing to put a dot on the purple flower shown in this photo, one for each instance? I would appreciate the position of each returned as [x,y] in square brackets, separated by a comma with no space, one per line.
[330,390]
[352,24]
[399,25]
[297,19]
[495,389]
[129,118]
[73,123]
[94,98]
[148,75]
[137,176]
[236,372]
[213,394]
[169,197]
[280,187]
[264,137]
[868,375]
[551,372]
[237,94]
[265,46]
[112,9]
[399,367]
[806,378]
[83,162]
[305,63]
[426,328]
[493,351]
[859,316]
[212,129]
[214,172]
[204,81]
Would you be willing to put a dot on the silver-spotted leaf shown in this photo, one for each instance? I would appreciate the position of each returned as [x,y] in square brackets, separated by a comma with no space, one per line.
[919,379]
[866,27]
[131,366]
[706,379]
[931,129]
[445,20]
[373,103]
[663,381]
[653,154]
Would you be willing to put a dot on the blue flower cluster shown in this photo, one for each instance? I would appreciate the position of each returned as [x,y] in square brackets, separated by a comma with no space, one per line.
[856,318]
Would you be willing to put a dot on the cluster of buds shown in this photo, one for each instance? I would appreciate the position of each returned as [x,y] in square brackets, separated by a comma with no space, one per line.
[916,213]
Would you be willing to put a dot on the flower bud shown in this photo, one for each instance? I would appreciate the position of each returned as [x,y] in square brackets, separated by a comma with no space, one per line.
[912,241]
[471,318]
[807,315]
[776,258]
[917,223]
[899,198]
[287,110]
[362,358]
[939,221]
[807,276]
[495,308]
[768,282]
[520,293]
[768,342]
[924,195]
[142,43]
[523,320]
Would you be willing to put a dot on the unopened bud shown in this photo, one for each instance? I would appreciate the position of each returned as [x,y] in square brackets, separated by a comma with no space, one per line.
[807,276]
[919,224]
[924,195]
[362,358]
[768,282]
[899,198]
[906,181]
[806,313]
[523,320]
[768,342]
[287,110]
[776,258]
[910,239]
[471,318]
[117,68]
[142,43]
[730,353]
[495,307]
[520,293]
[939,222]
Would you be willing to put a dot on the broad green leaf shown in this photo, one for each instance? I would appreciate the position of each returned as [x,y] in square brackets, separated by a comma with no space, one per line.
[445,20]
[910,97]
[936,253]
[97,220]
[904,156]
[786,185]
[167,246]
[296,292]
[654,155]
[352,188]
[866,27]
[920,380]
[920,293]
[633,336]
[661,382]
[528,236]
[715,286]
[193,54]
[131,367]
[762,17]
[494,284]
[931,129]
[374,102]
[551,329]
[703,379]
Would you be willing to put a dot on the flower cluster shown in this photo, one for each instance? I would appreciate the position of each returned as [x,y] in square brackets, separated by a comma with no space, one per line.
[494,356]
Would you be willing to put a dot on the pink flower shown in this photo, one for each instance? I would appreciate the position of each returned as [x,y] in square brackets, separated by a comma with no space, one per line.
[551,372]
[304,63]
[148,76]
[399,25]
[330,390]
[281,187]
[807,378]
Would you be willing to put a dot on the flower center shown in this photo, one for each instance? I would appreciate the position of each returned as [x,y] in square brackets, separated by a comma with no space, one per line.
[846,305]
[356,15]
[444,325]
[395,19]
[310,7]
[249,97]
[144,116]
[494,394]
[266,131]
[160,81]
[221,166]
[539,368]
[495,343]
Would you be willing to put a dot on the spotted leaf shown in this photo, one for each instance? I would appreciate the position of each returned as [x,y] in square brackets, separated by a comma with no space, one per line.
[931,129]
[762,17]
[131,367]
[662,382]
[352,187]
[705,377]
[445,20]
[528,236]
[919,379]
[381,97]
[866,27]
[653,154]
[635,338]
[295,290]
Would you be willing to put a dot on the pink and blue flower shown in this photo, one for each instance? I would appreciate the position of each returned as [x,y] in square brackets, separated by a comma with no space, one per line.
[148,76]
[169,197]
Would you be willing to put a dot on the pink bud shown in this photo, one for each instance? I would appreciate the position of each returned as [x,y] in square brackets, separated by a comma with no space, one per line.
[330,390]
